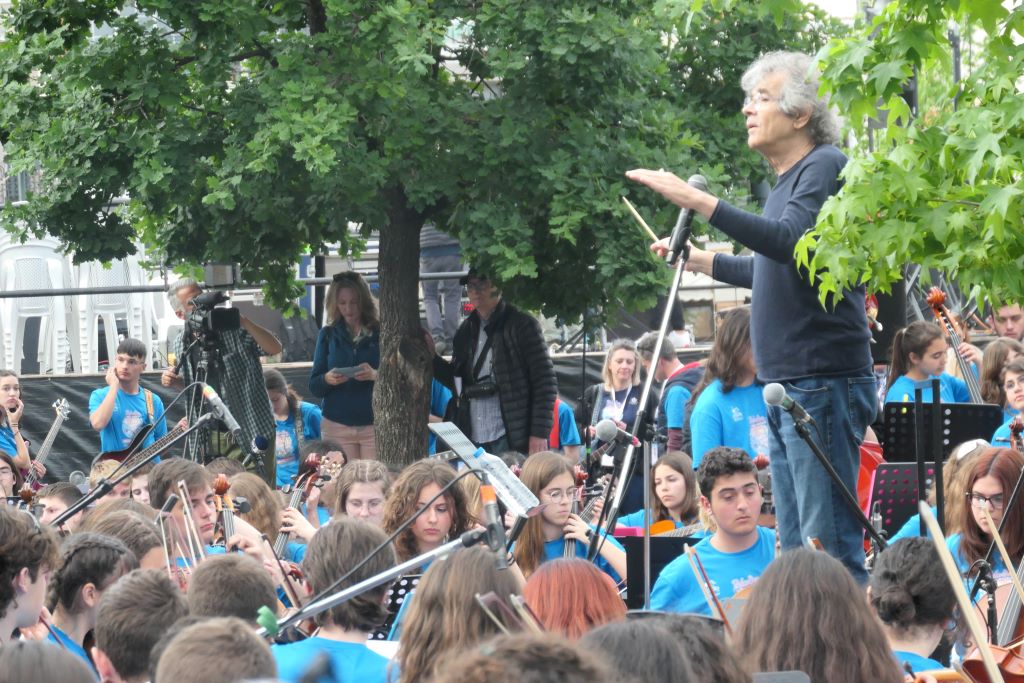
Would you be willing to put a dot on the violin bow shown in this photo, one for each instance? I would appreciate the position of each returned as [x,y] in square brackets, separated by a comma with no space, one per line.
[191,531]
[963,600]
[286,581]
[997,537]
[705,585]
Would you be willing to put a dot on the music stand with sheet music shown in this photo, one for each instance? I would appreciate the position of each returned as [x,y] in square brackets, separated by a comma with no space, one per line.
[894,488]
[960,422]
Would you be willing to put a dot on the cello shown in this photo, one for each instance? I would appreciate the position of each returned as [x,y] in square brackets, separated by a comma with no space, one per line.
[937,299]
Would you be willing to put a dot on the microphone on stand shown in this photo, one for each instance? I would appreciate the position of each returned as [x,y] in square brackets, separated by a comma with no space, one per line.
[493,523]
[221,411]
[775,395]
[258,448]
[606,430]
[681,231]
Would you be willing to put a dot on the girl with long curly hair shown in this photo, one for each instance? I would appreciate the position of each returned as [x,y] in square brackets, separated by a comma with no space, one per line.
[444,518]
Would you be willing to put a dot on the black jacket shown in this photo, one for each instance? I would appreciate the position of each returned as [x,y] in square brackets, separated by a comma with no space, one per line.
[522,370]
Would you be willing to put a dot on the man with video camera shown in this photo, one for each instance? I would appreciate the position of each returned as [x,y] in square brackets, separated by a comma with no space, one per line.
[222,348]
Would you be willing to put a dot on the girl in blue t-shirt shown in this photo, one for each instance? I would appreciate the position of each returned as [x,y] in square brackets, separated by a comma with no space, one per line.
[918,356]
[674,493]
[89,562]
[297,422]
[727,407]
[551,478]
[913,599]
[989,483]
[998,354]
[1012,378]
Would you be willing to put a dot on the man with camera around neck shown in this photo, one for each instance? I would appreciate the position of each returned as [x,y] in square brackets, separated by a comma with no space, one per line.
[501,373]
[235,371]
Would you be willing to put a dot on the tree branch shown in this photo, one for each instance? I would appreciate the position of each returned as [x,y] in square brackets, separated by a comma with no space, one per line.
[256,52]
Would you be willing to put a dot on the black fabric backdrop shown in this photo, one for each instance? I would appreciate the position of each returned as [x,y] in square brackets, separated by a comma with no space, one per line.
[77,443]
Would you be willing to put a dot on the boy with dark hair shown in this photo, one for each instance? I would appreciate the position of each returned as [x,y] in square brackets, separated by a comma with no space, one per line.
[214,651]
[133,615]
[737,553]
[29,553]
[121,409]
[55,499]
[230,586]
[344,629]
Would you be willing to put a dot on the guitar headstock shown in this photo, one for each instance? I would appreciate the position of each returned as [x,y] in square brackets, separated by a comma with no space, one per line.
[61,407]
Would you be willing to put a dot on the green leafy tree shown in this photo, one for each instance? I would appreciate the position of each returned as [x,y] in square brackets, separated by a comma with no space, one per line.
[942,190]
[256,132]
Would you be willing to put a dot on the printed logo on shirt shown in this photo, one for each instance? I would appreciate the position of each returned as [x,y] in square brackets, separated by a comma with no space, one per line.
[742,582]
[737,414]
[634,401]
[131,423]
[284,447]
[759,434]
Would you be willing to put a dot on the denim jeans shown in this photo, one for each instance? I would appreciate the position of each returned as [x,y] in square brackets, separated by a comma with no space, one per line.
[806,501]
[442,298]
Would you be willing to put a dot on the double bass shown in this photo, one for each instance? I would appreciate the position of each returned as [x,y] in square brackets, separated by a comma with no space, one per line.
[937,299]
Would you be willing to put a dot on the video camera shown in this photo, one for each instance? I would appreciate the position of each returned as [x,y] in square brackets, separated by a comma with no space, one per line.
[207,319]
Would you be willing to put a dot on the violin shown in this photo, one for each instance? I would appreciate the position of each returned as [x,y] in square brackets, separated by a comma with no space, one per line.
[580,475]
[225,506]
[1016,428]
[310,475]
[936,299]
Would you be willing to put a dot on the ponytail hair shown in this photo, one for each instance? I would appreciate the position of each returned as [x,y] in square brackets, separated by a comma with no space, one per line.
[914,338]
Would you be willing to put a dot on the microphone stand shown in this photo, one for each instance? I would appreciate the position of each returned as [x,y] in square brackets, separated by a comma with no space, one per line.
[466,540]
[105,486]
[805,433]
[612,511]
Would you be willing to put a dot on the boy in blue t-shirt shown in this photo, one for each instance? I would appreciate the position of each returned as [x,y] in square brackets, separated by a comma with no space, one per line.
[119,410]
[334,551]
[737,553]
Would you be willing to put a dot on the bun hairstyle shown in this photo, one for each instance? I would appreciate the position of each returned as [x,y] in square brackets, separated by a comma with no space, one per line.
[909,589]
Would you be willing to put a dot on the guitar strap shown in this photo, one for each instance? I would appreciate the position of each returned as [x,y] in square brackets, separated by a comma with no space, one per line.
[149,404]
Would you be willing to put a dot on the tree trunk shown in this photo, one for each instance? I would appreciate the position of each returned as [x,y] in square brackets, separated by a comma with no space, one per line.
[401,398]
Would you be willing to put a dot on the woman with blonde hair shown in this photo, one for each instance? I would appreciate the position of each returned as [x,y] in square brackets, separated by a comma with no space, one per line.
[345,365]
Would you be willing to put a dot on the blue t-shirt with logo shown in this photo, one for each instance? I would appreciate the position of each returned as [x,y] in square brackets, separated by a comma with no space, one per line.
[349,661]
[951,390]
[737,419]
[286,448]
[129,416]
[677,590]
[7,444]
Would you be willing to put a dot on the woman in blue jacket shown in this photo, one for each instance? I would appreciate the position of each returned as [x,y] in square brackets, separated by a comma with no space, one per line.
[345,365]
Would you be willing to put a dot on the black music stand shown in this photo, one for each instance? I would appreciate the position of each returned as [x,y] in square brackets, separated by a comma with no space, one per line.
[664,549]
[960,422]
[400,591]
[894,488]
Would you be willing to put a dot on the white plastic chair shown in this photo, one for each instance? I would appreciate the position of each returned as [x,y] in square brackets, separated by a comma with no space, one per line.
[36,264]
[133,308]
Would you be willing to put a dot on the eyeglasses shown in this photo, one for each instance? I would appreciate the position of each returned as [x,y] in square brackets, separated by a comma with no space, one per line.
[977,500]
[757,99]
[478,285]
[371,505]
[556,495]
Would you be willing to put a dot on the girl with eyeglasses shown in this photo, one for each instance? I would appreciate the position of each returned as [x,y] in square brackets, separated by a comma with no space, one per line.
[550,477]
[989,483]
[1012,382]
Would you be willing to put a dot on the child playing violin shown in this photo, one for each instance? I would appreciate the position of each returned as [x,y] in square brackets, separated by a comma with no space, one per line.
[918,356]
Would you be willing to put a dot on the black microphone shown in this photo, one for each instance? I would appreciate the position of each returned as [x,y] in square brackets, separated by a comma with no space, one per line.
[221,412]
[257,448]
[606,430]
[775,395]
[493,523]
[681,231]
